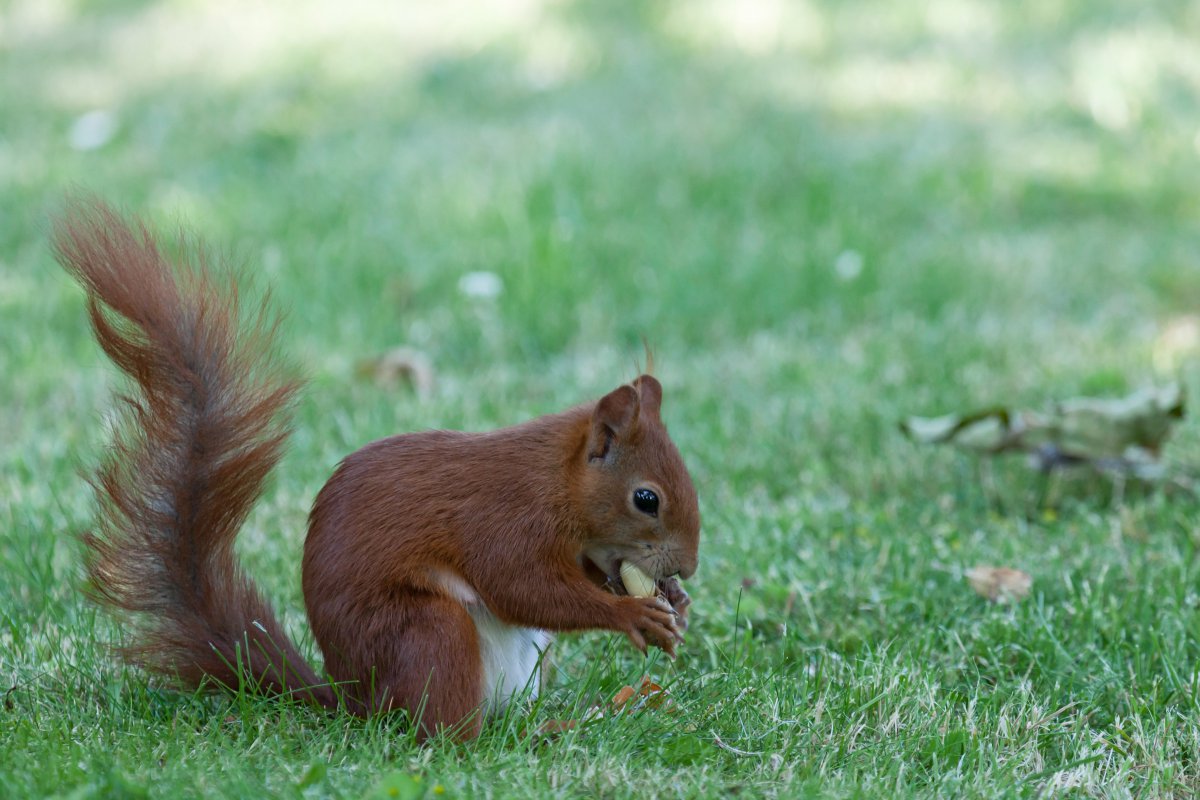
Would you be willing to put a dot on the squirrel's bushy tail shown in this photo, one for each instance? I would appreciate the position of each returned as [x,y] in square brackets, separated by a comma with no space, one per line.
[202,428]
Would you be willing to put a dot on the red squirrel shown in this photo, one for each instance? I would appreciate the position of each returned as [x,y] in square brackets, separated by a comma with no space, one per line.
[436,564]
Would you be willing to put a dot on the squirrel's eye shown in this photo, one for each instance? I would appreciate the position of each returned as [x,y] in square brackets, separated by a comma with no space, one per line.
[646,502]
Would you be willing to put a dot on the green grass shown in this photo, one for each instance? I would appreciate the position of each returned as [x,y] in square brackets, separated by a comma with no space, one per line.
[1019,182]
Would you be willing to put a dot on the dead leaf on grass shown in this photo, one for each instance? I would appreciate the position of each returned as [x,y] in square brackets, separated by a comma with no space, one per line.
[649,695]
[1000,584]
[401,365]
[622,697]
[1123,435]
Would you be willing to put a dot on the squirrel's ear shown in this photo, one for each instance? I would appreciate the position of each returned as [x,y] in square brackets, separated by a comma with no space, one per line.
[614,417]
[649,393]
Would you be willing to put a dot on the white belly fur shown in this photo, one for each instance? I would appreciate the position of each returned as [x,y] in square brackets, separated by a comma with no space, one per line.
[511,658]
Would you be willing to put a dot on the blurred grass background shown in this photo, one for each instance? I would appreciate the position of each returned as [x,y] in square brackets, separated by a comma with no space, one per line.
[822,216]
[954,203]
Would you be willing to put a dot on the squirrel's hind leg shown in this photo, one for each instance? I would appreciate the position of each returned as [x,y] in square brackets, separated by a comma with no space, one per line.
[421,654]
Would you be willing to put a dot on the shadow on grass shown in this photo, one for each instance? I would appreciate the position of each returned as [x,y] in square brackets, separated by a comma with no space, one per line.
[676,171]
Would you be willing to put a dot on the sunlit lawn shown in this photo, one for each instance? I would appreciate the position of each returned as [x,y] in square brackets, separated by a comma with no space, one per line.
[822,217]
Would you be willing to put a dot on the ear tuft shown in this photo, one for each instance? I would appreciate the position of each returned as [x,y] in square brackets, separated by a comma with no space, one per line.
[649,370]
[649,393]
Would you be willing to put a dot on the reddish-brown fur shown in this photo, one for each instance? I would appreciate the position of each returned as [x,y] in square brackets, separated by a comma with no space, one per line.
[531,521]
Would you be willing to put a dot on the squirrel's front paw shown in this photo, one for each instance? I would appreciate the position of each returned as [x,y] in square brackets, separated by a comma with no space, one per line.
[651,620]
[679,600]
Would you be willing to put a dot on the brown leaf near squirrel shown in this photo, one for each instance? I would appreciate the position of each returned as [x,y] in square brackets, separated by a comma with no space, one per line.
[436,564]
[999,584]
[647,696]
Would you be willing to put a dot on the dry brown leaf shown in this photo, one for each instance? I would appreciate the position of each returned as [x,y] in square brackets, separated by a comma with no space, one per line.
[1000,584]
[647,696]
[401,365]
[627,700]
[1124,435]
[655,696]
[623,696]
